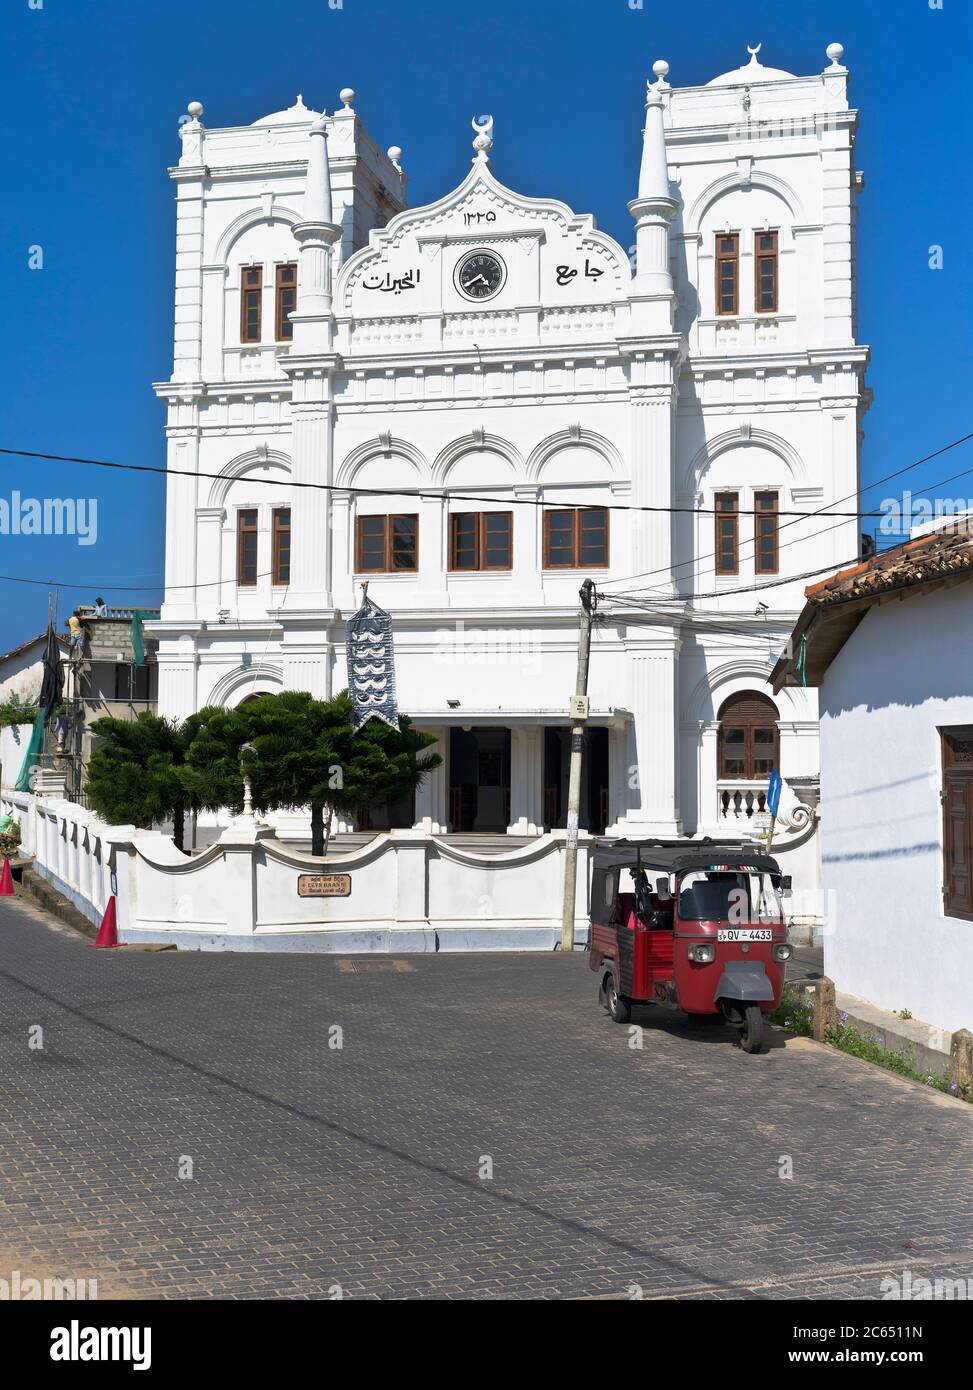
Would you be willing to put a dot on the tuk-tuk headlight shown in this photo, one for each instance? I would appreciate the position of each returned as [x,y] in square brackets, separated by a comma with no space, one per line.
[782,952]
[702,952]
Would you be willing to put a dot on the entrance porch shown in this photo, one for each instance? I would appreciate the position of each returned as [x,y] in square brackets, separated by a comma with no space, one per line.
[511,778]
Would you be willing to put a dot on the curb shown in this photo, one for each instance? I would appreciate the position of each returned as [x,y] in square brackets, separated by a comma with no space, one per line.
[37,890]
[940,1097]
[896,1034]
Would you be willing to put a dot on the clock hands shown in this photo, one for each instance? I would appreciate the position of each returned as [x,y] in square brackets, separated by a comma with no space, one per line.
[482,278]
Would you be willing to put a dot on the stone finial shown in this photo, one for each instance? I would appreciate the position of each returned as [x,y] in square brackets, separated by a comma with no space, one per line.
[195,109]
[835,51]
[483,144]
[347,96]
[661,69]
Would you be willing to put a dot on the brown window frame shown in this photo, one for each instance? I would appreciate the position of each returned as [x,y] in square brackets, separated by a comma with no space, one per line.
[244,529]
[728,258]
[246,290]
[774,258]
[281,528]
[577,562]
[749,710]
[480,563]
[281,321]
[720,515]
[387,541]
[762,514]
[957,798]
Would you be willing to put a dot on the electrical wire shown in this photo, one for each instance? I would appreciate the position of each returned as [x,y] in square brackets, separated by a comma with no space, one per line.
[823,511]
[420,494]
[664,569]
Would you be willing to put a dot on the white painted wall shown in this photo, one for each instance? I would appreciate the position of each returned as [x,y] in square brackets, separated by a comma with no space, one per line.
[13,745]
[905,672]
[23,674]
[409,891]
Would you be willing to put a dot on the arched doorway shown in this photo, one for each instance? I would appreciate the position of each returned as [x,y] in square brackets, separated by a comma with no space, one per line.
[748,751]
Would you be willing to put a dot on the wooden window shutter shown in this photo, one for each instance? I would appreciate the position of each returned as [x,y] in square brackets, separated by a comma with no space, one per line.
[957,746]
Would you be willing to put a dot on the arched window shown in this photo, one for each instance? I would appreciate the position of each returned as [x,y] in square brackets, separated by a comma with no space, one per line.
[749,740]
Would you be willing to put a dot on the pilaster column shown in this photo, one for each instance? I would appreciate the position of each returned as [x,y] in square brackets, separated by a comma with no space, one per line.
[180,564]
[208,537]
[653,741]
[431,813]
[433,559]
[651,547]
[189,178]
[312,443]
[526,776]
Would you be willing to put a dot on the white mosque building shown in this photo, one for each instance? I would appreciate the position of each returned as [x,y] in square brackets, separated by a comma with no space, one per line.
[475,405]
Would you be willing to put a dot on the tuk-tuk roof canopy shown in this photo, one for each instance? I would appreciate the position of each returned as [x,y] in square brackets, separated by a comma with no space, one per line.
[681,856]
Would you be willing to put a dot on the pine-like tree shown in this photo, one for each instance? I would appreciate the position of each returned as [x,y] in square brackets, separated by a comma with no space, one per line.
[300,751]
[134,775]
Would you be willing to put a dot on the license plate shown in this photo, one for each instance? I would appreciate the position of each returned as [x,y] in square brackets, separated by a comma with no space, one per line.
[744,934]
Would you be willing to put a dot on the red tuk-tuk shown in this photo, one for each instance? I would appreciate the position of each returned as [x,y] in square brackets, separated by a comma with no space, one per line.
[693,925]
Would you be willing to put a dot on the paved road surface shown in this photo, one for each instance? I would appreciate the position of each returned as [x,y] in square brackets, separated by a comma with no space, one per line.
[315,1168]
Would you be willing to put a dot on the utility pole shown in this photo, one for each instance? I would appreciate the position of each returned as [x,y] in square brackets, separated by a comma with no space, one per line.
[579,713]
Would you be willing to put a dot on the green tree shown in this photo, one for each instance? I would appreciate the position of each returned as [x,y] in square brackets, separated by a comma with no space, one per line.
[134,774]
[299,751]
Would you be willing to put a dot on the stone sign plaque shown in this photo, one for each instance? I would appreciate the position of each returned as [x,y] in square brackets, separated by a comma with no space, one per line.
[323,885]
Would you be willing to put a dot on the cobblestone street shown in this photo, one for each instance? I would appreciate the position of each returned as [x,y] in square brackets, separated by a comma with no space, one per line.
[360,1167]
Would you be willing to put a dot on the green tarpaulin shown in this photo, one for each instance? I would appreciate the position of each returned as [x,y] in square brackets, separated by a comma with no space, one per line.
[138,645]
[34,750]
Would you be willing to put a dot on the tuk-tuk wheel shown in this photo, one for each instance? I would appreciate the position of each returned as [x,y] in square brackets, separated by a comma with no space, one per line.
[752,1037]
[619,1008]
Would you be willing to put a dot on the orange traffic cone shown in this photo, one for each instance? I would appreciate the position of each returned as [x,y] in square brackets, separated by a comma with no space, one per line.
[108,931]
[6,881]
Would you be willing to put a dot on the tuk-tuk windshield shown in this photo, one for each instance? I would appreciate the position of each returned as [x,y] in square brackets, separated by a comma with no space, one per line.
[729,896]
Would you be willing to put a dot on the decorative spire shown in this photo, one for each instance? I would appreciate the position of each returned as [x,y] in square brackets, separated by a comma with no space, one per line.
[653,210]
[654,173]
[317,190]
[315,234]
[483,144]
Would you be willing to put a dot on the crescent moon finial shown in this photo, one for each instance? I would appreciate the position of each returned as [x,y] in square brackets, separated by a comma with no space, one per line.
[754,51]
[483,125]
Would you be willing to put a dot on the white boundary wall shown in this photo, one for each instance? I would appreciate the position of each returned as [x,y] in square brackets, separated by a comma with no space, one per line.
[410,891]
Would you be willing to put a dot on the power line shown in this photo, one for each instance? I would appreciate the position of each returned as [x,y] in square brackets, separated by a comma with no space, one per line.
[420,494]
[647,574]
[637,599]
[823,511]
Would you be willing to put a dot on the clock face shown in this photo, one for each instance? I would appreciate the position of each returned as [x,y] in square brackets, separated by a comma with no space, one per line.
[480,274]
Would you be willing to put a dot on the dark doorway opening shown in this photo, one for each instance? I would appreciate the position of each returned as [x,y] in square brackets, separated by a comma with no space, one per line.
[594,779]
[479,780]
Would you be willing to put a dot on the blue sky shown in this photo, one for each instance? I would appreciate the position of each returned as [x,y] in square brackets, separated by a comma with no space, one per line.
[93,96]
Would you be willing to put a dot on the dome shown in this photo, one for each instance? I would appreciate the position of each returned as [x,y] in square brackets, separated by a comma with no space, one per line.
[751,72]
[294,115]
